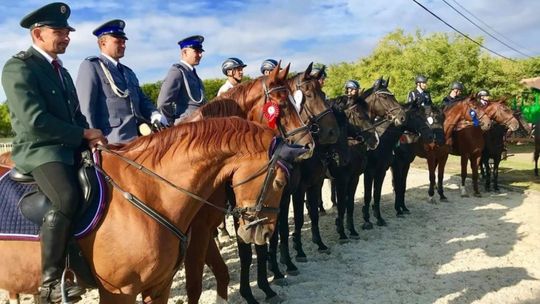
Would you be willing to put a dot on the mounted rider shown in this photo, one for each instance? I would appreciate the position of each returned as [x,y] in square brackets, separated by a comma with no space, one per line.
[419,97]
[50,131]
[483,97]
[182,91]
[233,68]
[268,65]
[456,90]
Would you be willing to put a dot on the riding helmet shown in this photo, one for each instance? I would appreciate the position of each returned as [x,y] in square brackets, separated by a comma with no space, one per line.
[231,63]
[458,86]
[352,84]
[483,92]
[420,79]
[268,65]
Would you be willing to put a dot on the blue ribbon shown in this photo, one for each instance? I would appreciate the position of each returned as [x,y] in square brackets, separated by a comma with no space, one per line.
[474,117]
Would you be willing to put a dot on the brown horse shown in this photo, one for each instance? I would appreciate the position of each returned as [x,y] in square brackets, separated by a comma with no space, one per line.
[504,120]
[315,114]
[463,127]
[129,252]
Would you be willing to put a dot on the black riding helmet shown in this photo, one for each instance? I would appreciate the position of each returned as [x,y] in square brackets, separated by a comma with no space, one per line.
[231,63]
[483,93]
[420,79]
[456,85]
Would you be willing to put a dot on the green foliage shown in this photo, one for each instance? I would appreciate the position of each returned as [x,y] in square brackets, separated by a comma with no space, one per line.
[211,87]
[5,122]
[441,57]
[152,90]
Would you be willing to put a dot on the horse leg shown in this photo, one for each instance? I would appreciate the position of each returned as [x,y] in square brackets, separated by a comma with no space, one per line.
[157,294]
[341,194]
[485,171]
[406,169]
[244,253]
[397,182]
[368,184]
[285,256]
[262,274]
[536,155]
[215,262]
[298,206]
[379,179]
[14,298]
[351,189]
[464,160]
[279,278]
[196,255]
[313,197]
[432,166]
[475,161]
[333,193]
[496,162]
[442,157]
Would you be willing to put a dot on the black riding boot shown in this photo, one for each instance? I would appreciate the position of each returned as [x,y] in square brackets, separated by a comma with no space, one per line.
[54,237]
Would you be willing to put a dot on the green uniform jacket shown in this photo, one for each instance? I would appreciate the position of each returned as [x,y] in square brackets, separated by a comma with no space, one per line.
[46,119]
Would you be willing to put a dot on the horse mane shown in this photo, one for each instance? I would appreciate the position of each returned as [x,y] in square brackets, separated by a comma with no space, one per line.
[222,107]
[227,135]
[240,91]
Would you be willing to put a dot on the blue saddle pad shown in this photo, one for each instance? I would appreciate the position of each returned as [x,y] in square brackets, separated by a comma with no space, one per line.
[14,226]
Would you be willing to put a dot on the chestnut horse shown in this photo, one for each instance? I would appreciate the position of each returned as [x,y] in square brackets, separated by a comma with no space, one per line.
[315,116]
[131,253]
[464,125]
[504,120]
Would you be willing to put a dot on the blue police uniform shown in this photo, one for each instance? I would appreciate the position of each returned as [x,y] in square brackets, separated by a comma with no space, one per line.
[419,98]
[109,93]
[182,91]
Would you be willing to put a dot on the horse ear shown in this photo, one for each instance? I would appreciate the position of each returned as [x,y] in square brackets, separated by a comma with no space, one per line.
[283,74]
[307,73]
[387,81]
[275,72]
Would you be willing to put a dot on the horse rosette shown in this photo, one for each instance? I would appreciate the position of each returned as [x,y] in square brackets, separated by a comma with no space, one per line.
[474,117]
[271,113]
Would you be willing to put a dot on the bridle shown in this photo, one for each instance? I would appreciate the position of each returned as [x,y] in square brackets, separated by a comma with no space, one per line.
[389,114]
[268,98]
[500,109]
[237,212]
[313,119]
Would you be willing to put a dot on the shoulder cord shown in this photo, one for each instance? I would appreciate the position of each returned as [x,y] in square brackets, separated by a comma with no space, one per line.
[188,89]
[115,89]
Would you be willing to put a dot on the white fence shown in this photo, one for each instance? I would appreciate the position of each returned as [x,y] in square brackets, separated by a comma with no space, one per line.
[4,147]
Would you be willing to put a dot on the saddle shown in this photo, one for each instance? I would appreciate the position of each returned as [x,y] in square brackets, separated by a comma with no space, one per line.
[34,204]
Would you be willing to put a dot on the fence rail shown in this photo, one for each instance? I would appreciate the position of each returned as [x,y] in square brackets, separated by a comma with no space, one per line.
[4,147]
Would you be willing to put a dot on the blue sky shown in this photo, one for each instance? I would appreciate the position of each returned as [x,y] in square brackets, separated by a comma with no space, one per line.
[296,31]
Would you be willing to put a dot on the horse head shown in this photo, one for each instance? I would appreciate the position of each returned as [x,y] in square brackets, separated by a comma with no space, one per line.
[309,101]
[258,194]
[499,112]
[359,124]
[383,104]
[419,123]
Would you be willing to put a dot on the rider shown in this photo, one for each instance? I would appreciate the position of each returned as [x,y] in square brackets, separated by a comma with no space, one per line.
[268,66]
[419,96]
[182,91]
[233,68]
[483,97]
[50,131]
[455,94]
[109,92]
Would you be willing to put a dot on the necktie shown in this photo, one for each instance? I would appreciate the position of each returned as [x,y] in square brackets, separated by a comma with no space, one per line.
[120,68]
[195,72]
[58,70]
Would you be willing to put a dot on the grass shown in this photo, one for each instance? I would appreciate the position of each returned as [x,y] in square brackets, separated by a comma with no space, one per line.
[516,171]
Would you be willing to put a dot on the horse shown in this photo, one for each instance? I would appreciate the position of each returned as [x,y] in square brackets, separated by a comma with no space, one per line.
[315,114]
[131,253]
[504,120]
[464,125]
[419,127]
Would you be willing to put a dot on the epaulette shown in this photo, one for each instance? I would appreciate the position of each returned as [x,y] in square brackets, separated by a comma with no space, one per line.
[23,55]
[91,58]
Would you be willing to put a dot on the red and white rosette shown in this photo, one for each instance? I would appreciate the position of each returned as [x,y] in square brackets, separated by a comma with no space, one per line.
[271,113]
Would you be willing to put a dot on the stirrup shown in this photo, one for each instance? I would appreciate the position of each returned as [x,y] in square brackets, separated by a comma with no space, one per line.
[66,299]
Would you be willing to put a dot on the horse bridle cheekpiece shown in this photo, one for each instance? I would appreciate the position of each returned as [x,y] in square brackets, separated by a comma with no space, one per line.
[298,99]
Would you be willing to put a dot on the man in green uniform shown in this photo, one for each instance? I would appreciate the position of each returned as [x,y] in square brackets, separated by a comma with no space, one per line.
[49,133]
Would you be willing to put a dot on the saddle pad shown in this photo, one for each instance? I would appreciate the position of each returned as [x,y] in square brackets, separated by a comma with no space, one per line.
[14,226]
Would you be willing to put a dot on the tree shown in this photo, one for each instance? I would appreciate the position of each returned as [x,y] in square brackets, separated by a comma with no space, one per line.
[5,122]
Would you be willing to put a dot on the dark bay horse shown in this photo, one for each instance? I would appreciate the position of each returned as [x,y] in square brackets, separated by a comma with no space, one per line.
[464,125]
[130,253]
[315,116]
[379,160]
[504,120]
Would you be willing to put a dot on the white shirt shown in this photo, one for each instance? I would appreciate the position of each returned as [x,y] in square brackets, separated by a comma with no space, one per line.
[225,87]
[187,64]
[110,58]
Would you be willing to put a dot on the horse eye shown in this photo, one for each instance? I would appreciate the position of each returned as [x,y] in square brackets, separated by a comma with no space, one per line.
[279,183]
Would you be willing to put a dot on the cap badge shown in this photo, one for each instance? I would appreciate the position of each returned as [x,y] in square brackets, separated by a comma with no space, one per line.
[63,9]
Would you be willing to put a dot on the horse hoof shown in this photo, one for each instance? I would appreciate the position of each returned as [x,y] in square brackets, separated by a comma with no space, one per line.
[406,211]
[367,226]
[432,200]
[354,236]
[400,214]
[301,259]
[343,241]
[274,300]
[381,222]
[322,248]
[322,212]
[280,282]
[444,199]
[464,195]
[477,194]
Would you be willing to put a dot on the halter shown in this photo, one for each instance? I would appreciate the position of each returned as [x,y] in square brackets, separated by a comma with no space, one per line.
[268,98]
[235,212]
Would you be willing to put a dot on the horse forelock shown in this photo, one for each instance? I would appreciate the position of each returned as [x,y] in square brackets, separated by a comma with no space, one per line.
[207,137]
